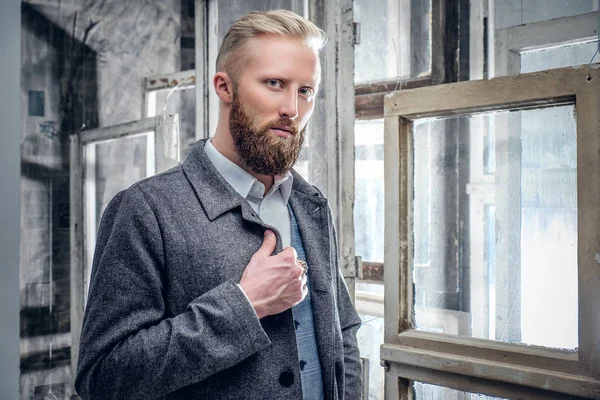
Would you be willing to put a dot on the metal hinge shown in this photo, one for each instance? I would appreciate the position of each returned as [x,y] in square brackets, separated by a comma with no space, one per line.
[356,32]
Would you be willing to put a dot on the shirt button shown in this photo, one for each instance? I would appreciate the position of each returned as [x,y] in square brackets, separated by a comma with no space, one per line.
[286,378]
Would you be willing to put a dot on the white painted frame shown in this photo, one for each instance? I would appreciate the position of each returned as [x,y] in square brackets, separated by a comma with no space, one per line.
[511,42]
[163,142]
[176,81]
[478,365]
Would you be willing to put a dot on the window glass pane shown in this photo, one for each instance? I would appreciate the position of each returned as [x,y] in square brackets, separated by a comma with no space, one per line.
[424,391]
[180,101]
[518,12]
[231,10]
[395,39]
[492,248]
[119,163]
[557,57]
[368,201]
[369,304]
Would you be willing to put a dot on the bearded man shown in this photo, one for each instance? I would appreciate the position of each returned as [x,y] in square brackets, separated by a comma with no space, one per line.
[219,278]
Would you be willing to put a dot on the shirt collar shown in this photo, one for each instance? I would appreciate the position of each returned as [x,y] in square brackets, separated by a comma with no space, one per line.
[242,181]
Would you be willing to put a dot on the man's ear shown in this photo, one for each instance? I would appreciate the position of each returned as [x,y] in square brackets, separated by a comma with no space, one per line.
[223,87]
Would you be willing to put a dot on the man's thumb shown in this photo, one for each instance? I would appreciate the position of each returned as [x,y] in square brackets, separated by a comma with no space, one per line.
[268,245]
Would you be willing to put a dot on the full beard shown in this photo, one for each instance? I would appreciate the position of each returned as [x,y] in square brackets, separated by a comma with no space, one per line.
[259,150]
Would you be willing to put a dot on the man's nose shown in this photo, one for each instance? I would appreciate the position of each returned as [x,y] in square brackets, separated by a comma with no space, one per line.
[289,106]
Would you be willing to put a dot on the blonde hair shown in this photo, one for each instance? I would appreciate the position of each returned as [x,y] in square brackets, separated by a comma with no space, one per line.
[257,23]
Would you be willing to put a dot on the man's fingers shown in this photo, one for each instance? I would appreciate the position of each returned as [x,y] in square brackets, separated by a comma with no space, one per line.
[268,245]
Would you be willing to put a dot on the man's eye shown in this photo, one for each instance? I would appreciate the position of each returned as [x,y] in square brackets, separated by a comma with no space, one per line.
[307,92]
[274,83]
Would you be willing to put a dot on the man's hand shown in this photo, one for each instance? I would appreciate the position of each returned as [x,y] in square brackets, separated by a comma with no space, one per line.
[273,283]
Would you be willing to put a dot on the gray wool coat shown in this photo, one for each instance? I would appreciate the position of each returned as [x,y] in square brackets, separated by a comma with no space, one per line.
[165,318]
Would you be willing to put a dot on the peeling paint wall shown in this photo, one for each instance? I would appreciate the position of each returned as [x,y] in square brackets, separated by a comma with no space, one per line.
[83,64]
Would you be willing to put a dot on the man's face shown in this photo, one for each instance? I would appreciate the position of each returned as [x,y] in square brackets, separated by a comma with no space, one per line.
[272,103]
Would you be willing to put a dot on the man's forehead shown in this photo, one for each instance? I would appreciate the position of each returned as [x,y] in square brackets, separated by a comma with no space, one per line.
[274,53]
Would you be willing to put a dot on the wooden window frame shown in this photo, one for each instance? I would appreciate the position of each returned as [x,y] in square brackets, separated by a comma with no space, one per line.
[160,129]
[479,365]
[512,41]
[445,44]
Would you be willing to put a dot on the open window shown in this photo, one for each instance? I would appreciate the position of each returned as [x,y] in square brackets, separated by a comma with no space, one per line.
[477,302]
[105,161]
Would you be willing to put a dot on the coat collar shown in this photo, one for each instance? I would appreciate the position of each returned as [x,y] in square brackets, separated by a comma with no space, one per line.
[218,197]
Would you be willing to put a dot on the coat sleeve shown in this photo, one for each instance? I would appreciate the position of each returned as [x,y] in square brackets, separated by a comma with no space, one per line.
[129,349]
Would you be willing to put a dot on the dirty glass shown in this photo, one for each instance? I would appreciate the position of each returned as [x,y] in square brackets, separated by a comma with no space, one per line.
[424,391]
[181,101]
[369,305]
[395,40]
[369,198]
[114,165]
[518,12]
[493,247]
[559,56]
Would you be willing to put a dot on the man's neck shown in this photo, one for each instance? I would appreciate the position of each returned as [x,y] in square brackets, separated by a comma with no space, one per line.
[225,146]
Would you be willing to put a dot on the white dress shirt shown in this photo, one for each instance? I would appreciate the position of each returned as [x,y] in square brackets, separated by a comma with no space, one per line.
[271,207]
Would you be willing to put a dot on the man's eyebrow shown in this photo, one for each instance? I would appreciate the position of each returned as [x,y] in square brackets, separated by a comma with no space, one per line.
[285,78]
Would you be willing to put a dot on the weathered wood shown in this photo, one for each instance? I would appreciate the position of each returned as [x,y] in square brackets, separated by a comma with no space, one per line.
[477,385]
[552,87]
[511,42]
[369,98]
[117,131]
[588,224]
[201,64]
[77,245]
[492,351]
[556,371]
[552,381]
[372,272]
[554,32]
[179,79]
[334,117]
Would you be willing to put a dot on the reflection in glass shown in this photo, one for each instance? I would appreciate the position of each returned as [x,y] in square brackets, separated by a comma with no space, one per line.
[498,249]
[369,198]
[395,39]
[424,391]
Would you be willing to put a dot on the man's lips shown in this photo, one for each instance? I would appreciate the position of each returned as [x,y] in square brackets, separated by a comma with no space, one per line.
[282,131]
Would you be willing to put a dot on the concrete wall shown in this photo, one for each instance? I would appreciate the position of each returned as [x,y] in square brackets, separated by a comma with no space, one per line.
[10,37]
[82,65]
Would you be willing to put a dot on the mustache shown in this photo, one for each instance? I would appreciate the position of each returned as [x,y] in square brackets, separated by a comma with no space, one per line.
[283,123]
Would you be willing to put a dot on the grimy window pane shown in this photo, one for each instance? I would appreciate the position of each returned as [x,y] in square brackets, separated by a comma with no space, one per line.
[518,12]
[424,391]
[119,164]
[395,39]
[180,101]
[368,181]
[557,57]
[231,10]
[524,223]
